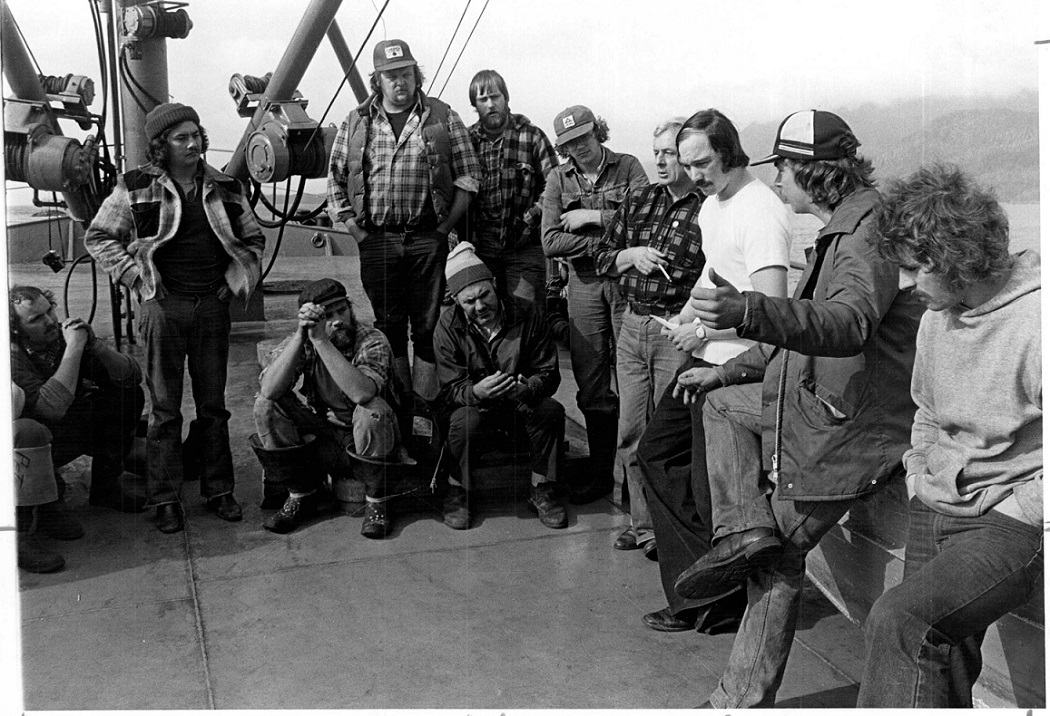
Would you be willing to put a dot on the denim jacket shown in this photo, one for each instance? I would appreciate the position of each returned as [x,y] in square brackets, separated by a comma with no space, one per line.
[143,213]
[565,191]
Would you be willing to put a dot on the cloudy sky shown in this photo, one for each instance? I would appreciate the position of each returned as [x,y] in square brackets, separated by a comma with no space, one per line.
[632,62]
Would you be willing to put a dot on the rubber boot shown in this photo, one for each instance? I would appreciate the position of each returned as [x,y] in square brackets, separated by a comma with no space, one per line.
[424,379]
[601,444]
[292,468]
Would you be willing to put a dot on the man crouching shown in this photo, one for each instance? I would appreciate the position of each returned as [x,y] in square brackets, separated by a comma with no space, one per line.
[497,365]
[346,425]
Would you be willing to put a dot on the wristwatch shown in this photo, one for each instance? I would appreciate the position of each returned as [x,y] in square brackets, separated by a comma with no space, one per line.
[701,331]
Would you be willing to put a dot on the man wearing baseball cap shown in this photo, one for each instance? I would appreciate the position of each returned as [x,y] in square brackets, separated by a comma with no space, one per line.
[579,202]
[346,426]
[815,416]
[402,174]
[497,366]
[181,236]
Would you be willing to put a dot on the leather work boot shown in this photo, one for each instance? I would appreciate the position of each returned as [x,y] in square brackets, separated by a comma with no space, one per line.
[296,510]
[729,563]
[55,519]
[376,524]
[548,507]
[34,557]
[456,510]
[226,507]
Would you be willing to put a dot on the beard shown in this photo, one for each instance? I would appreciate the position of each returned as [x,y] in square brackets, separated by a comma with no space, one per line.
[495,121]
[343,337]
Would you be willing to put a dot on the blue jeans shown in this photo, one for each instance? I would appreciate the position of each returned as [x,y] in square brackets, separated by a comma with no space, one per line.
[645,365]
[739,490]
[960,575]
[176,328]
[519,272]
[760,651]
[404,277]
[595,311]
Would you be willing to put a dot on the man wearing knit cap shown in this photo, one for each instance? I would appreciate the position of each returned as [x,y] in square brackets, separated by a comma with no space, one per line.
[347,425]
[402,174]
[497,365]
[181,236]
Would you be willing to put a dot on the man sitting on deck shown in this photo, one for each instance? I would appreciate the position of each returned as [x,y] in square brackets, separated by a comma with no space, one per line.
[347,425]
[497,364]
[822,400]
[975,467]
[87,394]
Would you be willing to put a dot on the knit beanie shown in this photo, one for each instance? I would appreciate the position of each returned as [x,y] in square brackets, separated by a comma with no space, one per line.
[165,115]
[464,268]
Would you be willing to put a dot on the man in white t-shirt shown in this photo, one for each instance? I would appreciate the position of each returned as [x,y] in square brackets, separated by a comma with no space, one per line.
[746,235]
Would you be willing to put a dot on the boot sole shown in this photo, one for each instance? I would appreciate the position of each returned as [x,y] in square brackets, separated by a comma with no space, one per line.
[709,580]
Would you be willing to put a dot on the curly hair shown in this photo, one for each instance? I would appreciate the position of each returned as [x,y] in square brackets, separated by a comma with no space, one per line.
[24,294]
[941,220]
[377,87]
[828,181]
[600,132]
[722,135]
[157,152]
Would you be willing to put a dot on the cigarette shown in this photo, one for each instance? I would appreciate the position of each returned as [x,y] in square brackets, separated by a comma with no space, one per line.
[660,266]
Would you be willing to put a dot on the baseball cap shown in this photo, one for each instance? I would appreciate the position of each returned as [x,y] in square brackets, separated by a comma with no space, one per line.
[812,134]
[324,292]
[392,55]
[572,123]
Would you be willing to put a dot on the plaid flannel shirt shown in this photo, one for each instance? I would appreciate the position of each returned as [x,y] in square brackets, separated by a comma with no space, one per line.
[525,158]
[398,192]
[651,217]
[134,222]
[370,354]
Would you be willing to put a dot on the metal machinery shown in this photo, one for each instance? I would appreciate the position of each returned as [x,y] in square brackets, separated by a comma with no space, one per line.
[280,140]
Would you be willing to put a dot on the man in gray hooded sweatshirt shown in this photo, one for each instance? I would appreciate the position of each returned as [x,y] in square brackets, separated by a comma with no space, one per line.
[975,468]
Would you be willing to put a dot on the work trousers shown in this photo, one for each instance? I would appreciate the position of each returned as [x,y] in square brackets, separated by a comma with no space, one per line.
[520,273]
[672,457]
[180,330]
[960,575]
[595,312]
[470,429]
[404,276]
[646,362]
[373,434]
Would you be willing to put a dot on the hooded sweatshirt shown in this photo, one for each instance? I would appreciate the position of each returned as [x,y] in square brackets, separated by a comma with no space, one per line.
[977,435]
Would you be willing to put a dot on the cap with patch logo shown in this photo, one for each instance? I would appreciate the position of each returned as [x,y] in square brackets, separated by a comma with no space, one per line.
[572,123]
[812,134]
[392,55]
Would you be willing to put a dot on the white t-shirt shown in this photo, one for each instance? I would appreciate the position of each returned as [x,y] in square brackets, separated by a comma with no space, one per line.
[746,233]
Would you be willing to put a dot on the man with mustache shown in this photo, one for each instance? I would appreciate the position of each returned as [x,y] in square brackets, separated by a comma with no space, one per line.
[346,427]
[181,236]
[402,174]
[82,396]
[498,367]
[504,219]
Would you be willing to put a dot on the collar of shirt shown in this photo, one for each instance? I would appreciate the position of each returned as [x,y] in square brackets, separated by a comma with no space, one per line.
[489,335]
[377,106]
[609,158]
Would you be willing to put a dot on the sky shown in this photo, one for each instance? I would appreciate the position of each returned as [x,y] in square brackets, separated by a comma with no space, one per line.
[634,63]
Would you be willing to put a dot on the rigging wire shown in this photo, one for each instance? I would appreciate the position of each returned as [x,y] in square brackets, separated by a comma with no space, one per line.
[483,7]
[448,47]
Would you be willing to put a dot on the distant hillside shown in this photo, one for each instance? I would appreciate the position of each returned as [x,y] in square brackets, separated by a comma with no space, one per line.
[997,140]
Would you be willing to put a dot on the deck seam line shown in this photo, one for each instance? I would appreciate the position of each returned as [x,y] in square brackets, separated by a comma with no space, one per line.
[820,657]
[197,617]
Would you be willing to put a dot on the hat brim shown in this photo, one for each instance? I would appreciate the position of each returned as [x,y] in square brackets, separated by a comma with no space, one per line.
[574,133]
[767,160]
[400,457]
[396,65]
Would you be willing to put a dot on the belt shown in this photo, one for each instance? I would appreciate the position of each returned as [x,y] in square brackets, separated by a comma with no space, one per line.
[404,228]
[651,309]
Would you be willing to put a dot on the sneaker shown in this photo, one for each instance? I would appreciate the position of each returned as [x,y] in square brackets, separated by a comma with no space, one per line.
[33,557]
[456,509]
[296,510]
[55,519]
[376,524]
[549,508]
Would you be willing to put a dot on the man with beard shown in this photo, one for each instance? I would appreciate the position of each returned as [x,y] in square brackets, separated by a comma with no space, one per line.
[346,425]
[402,174]
[181,236]
[504,219]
